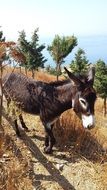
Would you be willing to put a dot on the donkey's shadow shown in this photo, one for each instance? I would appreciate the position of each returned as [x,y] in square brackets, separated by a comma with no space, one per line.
[91,151]
[85,146]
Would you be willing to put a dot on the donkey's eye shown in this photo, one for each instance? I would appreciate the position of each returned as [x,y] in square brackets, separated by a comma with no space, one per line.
[83,103]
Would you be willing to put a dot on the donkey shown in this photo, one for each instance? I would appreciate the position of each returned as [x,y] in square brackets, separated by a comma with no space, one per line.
[50,100]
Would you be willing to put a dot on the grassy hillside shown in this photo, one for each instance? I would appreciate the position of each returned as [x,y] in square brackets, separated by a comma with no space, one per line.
[78,162]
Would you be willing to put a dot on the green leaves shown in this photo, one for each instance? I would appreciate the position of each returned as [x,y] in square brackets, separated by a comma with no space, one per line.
[60,48]
[32,50]
[101,78]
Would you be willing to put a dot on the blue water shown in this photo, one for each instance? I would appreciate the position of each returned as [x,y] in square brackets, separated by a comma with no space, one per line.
[95,48]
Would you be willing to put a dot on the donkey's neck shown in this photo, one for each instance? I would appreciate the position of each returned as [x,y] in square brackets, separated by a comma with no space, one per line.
[65,95]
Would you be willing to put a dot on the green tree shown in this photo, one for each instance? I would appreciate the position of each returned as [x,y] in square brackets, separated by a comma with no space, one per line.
[23,48]
[2,39]
[80,63]
[32,51]
[22,42]
[60,48]
[101,81]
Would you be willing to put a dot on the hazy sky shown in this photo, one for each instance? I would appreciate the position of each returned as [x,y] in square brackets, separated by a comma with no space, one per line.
[63,17]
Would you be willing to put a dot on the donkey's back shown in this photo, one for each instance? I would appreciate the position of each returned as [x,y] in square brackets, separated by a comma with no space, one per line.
[18,88]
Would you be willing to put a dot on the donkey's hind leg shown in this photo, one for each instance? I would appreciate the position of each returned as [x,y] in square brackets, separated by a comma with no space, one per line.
[49,139]
[16,128]
[13,112]
[23,123]
[15,122]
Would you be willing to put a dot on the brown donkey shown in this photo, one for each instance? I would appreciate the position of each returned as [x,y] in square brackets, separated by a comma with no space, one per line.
[50,100]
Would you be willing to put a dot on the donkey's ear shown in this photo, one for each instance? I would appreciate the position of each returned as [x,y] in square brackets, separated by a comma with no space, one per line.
[91,75]
[73,77]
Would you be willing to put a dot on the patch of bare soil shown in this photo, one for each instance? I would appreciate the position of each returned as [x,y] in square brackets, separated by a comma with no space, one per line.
[24,166]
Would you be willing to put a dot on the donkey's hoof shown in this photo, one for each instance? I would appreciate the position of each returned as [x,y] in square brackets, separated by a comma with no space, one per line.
[46,144]
[23,128]
[47,150]
[18,135]
[26,129]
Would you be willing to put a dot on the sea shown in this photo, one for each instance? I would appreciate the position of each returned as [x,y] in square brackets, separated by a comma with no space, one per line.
[95,48]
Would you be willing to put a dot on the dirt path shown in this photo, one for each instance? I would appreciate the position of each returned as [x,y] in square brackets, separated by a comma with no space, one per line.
[31,169]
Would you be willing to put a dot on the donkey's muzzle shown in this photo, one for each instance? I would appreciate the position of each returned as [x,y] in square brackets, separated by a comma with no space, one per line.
[88,121]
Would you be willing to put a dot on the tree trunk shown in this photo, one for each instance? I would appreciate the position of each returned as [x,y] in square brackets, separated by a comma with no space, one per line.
[58,70]
[26,71]
[33,73]
[104,113]
[20,69]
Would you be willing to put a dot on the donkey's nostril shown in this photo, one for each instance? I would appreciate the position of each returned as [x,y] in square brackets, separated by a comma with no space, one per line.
[90,126]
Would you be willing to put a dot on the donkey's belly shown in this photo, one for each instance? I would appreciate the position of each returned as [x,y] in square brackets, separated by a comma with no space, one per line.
[29,108]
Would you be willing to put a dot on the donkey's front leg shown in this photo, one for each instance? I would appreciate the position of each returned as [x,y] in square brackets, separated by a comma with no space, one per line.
[49,139]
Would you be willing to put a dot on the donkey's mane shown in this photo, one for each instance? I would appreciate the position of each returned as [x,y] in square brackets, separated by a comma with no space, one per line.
[83,78]
[58,83]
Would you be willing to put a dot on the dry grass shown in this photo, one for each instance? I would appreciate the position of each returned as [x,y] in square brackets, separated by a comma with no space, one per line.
[14,169]
[43,76]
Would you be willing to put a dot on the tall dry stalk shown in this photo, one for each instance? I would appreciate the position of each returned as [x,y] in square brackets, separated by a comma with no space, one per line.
[1,92]
[10,49]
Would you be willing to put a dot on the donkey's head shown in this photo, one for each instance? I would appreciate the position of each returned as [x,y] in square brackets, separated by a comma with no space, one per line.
[83,97]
